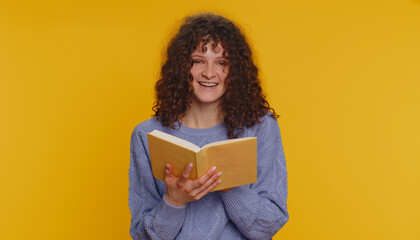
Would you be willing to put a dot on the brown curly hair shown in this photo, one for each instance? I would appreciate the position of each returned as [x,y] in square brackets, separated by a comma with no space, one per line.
[243,103]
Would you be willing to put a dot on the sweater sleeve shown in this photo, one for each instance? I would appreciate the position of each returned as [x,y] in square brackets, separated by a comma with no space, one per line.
[259,210]
[152,217]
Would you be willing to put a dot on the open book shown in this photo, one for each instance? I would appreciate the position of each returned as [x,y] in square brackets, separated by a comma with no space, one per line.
[235,158]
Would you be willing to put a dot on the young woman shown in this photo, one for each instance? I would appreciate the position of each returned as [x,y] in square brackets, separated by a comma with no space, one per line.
[209,91]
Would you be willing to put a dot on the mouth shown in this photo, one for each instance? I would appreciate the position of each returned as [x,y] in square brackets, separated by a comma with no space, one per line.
[208,84]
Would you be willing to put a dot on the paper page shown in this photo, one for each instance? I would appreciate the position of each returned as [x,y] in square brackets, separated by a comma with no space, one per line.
[226,141]
[176,140]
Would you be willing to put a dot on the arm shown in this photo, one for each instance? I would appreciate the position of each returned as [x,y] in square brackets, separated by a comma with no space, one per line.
[260,210]
[152,216]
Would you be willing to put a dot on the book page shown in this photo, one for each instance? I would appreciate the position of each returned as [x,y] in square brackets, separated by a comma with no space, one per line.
[176,140]
[226,141]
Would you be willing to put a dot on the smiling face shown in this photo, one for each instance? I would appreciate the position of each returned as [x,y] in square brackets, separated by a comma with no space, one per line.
[210,69]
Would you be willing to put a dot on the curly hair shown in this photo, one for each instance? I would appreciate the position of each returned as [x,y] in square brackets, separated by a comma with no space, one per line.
[243,103]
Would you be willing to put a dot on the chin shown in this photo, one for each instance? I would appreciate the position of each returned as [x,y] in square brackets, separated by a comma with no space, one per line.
[208,100]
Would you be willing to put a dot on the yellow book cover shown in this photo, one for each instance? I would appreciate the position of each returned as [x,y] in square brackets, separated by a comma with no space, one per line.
[235,158]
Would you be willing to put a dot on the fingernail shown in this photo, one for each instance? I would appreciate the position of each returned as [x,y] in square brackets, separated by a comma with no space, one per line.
[190,165]
[218,181]
[213,169]
[219,173]
[167,165]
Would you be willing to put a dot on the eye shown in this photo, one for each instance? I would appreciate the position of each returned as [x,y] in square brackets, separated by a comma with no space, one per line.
[222,63]
[196,61]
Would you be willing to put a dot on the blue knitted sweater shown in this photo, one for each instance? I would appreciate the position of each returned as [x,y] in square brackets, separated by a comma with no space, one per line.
[255,211]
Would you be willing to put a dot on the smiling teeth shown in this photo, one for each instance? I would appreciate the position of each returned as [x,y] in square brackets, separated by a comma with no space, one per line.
[208,84]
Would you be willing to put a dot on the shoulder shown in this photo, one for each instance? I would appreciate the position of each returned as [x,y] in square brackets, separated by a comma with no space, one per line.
[268,134]
[268,119]
[267,124]
[146,126]
[149,125]
[139,134]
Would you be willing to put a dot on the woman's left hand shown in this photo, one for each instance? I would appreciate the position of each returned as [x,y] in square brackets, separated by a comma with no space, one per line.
[181,190]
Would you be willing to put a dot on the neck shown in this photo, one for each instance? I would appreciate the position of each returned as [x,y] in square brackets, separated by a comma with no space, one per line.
[202,116]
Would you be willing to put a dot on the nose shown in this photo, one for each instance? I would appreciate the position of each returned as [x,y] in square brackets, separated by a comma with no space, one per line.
[208,71]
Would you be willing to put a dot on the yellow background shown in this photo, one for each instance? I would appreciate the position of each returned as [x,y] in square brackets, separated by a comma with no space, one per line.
[77,76]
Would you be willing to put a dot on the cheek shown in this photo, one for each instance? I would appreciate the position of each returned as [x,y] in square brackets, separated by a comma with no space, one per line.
[193,72]
[226,72]
[223,76]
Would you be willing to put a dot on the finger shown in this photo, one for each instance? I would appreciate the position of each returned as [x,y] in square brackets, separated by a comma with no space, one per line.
[206,176]
[200,181]
[207,184]
[226,190]
[185,175]
[207,190]
[168,170]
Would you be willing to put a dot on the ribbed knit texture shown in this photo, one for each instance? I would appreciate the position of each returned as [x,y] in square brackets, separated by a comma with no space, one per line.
[255,211]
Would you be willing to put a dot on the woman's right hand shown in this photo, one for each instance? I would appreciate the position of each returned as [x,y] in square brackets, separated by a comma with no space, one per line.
[182,190]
